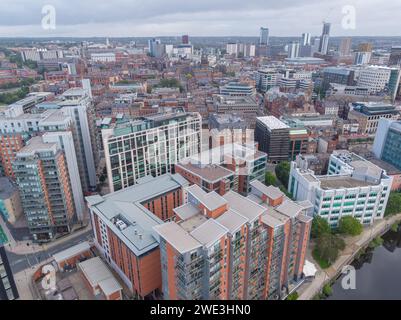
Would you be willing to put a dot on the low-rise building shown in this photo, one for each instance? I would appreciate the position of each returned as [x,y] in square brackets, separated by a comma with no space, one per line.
[353,187]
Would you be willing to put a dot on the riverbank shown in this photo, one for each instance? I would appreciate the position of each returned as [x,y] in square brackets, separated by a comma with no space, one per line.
[353,246]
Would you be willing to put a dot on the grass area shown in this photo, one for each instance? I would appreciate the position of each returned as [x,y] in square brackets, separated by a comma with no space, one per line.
[322,263]
[3,237]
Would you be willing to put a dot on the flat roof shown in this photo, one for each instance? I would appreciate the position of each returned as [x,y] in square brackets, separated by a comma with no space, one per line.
[71,252]
[232,220]
[244,206]
[209,172]
[289,208]
[127,205]
[35,145]
[97,273]
[342,182]
[186,211]
[271,191]
[272,122]
[211,200]
[180,239]
[209,232]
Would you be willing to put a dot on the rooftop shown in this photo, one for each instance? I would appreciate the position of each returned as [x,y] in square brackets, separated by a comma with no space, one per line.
[271,191]
[272,122]
[210,172]
[244,206]
[180,239]
[209,232]
[97,273]
[35,145]
[231,220]
[127,205]
[211,200]
[342,182]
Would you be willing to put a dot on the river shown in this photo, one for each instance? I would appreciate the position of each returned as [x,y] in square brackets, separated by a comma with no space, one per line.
[378,273]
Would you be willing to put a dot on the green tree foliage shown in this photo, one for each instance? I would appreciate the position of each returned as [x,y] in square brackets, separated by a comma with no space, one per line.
[350,225]
[11,97]
[283,172]
[328,246]
[293,296]
[393,204]
[21,83]
[270,179]
[320,226]
[327,290]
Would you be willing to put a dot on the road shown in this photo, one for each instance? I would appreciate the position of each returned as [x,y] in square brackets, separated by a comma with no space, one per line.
[19,262]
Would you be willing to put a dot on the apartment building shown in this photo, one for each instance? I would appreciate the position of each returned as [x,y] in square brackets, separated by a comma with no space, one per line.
[149,146]
[368,114]
[17,127]
[233,247]
[72,112]
[122,225]
[77,104]
[226,167]
[272,136]
[353,187]
[46,194]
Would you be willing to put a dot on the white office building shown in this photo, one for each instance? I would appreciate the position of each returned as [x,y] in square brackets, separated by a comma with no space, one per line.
[353,187]
[266,79]
[375,78]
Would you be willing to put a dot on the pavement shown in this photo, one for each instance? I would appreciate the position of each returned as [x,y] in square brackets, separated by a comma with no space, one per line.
[353,244]
[25,255]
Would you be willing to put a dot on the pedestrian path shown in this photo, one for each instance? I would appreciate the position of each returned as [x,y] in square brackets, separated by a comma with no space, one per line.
[353,245]
[28,247]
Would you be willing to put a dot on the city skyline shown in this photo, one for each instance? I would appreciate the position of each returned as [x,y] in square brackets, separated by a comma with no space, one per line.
[134,18]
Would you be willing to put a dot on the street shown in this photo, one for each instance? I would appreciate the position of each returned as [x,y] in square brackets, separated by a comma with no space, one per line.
[19,262]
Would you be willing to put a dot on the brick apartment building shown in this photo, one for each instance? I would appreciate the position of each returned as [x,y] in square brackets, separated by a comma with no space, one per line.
[122,223]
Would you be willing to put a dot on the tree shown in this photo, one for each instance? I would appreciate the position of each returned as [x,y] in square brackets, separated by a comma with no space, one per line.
[327,290]
[350,225]
[270,179]
[320,226]
[293,296]
[328,246]
[283,172]
[393,204]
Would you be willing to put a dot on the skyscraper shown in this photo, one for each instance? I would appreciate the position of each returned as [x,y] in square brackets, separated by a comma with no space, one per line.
[306,39]
[345,47]
[324,39]
[185,39]
[293,50]
[395,56]
[264,36]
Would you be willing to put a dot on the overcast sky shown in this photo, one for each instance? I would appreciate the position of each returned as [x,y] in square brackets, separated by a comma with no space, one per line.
[197,17]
